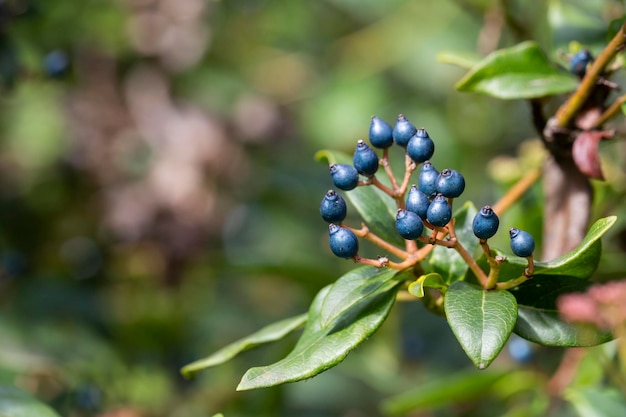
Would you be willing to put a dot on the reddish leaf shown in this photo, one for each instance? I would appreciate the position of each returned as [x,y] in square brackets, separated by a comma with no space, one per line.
[585,153]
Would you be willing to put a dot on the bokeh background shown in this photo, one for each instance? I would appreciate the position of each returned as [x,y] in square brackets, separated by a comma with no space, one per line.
[159,194]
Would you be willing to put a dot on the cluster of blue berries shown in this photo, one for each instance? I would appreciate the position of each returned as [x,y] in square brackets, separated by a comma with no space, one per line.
[428,203]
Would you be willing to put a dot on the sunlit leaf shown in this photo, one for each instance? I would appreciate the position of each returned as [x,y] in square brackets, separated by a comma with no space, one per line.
[341,317]
[377,209]
[522,71]
[453,389]
[270,333]
[432,280]
[538,318]
[17,403]
[482,321]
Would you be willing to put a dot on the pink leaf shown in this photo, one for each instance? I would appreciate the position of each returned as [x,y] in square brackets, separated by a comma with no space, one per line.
[585,153]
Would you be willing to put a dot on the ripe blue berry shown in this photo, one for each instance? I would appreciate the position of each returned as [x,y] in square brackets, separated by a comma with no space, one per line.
[365,159]
[333,207]
[343,242]
[578,63]
[450,183]
[417,202]
[522,243]
[403,131]
[428,179]
[439,211]
[345,177]
[408,224]
[381,133]
[485,223]
[420,147]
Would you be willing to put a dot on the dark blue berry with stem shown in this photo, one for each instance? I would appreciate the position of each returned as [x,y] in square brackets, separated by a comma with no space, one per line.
[417,201]
[408,224]
[343,242]
[380,134]
[486,223]
[333,207]
[345,177]
[365,159]
[439,211]
[427,181]
[403,131]
[420,147]
[522,243]
[450,183]
[579,62]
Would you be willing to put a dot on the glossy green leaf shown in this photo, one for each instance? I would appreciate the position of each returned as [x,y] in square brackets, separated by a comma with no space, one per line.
[522,71]
[341,317]
[538,318]
[453,389]
[17,403]
[376,208]
[597,401]
[270,333]
[446,261]
[482,321]
[432,280]
[579,263]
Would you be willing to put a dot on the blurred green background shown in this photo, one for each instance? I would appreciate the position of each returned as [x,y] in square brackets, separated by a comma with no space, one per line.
[159,196]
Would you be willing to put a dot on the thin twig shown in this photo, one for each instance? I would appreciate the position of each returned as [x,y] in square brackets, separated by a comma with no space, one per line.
[516,191]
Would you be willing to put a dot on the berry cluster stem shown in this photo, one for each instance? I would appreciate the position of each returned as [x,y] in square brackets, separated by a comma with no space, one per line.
[364,232]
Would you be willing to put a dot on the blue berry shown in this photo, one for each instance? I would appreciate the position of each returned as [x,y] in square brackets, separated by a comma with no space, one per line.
[420,147]
[56,63]
[417,202]
[428,178]
[450,183]
[403,131]
[522,243]
[408,224]
[345,177]
[333,207]
[578,63]
[365,159]
[439,211]
[343,242]
[381,133]
[485,223]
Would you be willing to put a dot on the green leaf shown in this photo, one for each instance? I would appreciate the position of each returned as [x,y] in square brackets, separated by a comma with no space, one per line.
[17,403]
[522,71]
[376,208]
[482,321]
[538,318]
[597,401]
[579,263]
[270,333]
[453,389]
[446,261]
[340,318]
[431,280]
